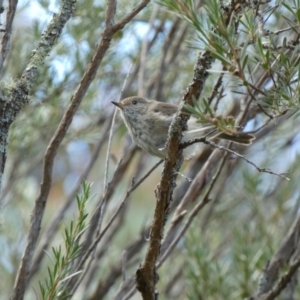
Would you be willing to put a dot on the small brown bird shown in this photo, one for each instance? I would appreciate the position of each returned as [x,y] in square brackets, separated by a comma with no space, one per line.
[148,123]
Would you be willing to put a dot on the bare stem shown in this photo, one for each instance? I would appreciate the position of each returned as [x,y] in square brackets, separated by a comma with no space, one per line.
[146,277]
[222,148]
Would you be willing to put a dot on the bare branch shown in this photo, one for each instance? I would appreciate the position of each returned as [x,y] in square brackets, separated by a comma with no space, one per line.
[22,87]
[262,170]
[131,15]
[146,277]
[216,88]
[18,98]
[222,148]
[111,134]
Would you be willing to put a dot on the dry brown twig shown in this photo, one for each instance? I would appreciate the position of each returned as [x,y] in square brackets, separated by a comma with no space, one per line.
[146,277]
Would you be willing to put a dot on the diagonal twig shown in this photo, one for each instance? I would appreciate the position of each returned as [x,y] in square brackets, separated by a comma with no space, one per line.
[54,224]
[222,148]
[109,223]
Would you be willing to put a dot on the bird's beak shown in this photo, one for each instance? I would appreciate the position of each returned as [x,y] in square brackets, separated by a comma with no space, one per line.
[119,105]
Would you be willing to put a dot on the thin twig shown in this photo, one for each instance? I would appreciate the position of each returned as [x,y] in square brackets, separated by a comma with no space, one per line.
[131,15]
[158,29]
[130,293]
[170,60]
[262,170]
[222,148]
[216,88]
[122,166]
[111,133]
[269,32]
[103,204]
[160,78]
[124,263]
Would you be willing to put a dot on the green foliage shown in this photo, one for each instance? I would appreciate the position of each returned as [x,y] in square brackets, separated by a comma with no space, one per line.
[240,45]
[226,261]
[62,260]
[206,115]
[206,277]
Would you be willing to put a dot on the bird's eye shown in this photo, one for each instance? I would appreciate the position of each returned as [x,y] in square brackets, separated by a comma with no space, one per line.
[134,102]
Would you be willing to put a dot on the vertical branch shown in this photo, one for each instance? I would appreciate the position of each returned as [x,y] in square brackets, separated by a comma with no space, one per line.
[4,128]
[146,276]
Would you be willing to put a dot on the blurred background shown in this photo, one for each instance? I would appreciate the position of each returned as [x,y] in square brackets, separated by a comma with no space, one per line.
[229,243]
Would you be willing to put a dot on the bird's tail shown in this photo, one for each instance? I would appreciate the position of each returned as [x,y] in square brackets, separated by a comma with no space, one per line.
[243,138]
[211,132]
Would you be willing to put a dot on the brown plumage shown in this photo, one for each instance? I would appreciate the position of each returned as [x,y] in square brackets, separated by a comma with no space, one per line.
[148,123]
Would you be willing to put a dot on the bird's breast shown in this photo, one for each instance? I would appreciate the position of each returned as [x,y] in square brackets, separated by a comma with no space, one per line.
[145,134]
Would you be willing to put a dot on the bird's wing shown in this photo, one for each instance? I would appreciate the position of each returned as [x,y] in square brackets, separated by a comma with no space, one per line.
[165,112]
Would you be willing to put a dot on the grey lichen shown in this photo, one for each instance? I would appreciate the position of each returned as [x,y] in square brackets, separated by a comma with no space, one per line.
[14,97]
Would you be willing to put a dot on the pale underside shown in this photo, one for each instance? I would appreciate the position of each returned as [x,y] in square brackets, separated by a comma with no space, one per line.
[152,137]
